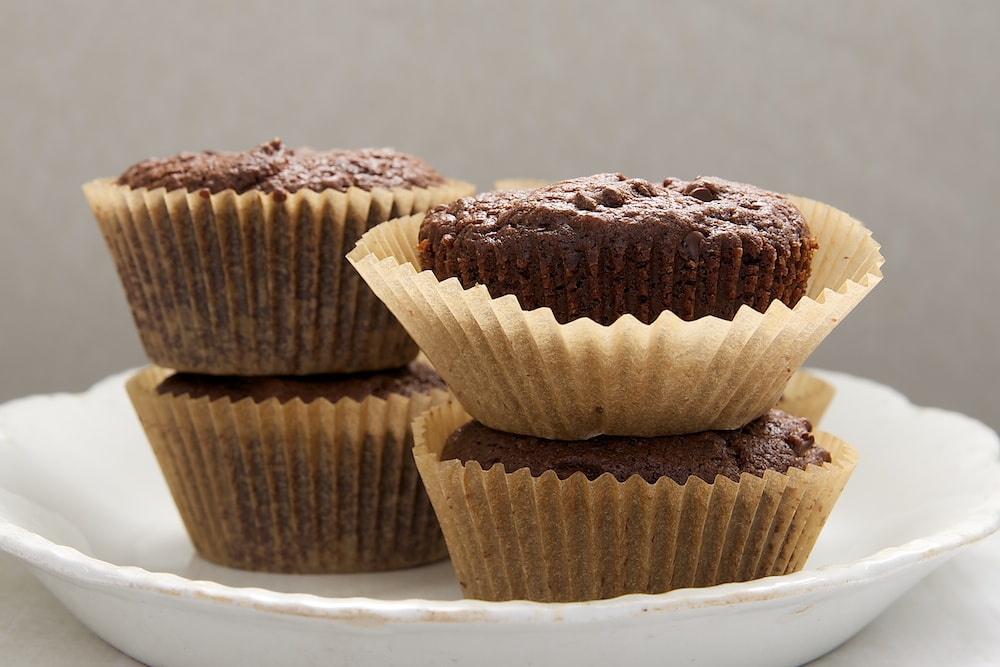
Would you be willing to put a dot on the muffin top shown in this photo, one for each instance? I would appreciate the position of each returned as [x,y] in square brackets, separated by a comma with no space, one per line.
[604,245]
[711,206]
[776,441]
[273,168]
[416,377]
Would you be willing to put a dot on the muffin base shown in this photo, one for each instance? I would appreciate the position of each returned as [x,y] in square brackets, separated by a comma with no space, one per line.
[514,536]
[253,284]
[316,487]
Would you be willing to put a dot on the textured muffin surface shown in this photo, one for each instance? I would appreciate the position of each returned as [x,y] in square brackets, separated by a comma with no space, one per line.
[604,245]
[416,377]
[776,441]
[274,168]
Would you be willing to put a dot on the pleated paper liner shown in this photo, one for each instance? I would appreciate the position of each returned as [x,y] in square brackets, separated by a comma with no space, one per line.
[318,487]
[252,284]
[807,396]
[520,371]
[514,536]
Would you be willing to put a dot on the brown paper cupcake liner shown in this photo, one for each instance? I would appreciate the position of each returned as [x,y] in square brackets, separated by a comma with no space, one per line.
[520,371]
[807,396]
[252,284]
[514,536]
[316,487]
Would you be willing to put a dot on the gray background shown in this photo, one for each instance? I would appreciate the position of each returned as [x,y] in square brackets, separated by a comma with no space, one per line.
[889,111]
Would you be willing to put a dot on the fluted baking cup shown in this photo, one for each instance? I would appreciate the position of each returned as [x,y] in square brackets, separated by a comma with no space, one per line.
[807,396]
[253,283]
[514,536]
[523,372]
[290,486]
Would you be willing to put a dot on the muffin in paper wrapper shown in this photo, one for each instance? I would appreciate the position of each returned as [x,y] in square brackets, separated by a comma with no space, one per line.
[807,396]
[514,536]
[522,372]
[254,284]
[318,487]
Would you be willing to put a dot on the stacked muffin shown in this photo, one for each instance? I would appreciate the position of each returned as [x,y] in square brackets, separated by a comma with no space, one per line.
[620,346]
[282,390]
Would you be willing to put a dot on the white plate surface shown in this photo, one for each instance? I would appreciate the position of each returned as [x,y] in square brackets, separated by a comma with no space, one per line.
[82,502]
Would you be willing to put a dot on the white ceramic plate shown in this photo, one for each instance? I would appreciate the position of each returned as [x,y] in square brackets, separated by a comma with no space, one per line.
[82,502]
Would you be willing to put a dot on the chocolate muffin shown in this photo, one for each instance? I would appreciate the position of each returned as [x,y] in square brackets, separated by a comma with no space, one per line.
[295,474]
[233,262]
[522,371]
[775,441]
[532,530]
[604,245]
